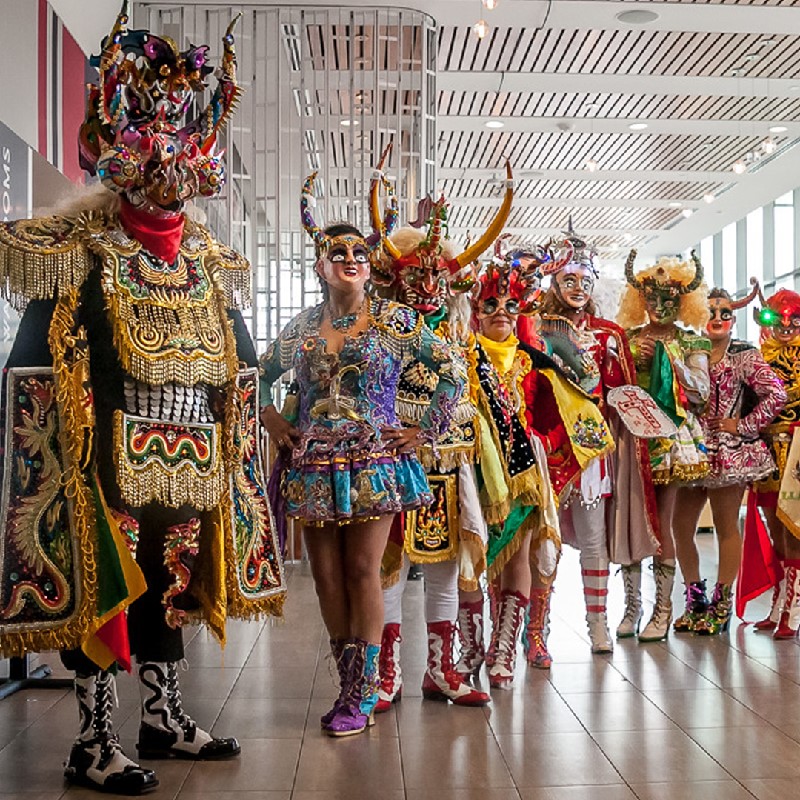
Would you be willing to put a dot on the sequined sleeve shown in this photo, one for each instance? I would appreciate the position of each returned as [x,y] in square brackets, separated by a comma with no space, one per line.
[279,357]
[758,375]
[435,354]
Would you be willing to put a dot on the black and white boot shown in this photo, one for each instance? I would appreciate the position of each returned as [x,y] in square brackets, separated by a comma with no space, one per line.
[167,731]
[96,759]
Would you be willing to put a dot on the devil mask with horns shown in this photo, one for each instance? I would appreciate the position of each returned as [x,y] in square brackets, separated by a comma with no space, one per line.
[421,269]
[131,136]
[722,308]
[671,290]
[779,317]
[345,237]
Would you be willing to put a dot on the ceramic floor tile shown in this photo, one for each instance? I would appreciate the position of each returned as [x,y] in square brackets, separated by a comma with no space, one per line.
[369,761]
[353,793]
[659,756]
[262,718]
[525,713]
[704,709]
[273,682]
[435,719]
[232,795]
[460,762]
[707,790]
[264,765]
[618,791]
[612,711]
[752,752]
[559,759]
[490,793]
[772,788]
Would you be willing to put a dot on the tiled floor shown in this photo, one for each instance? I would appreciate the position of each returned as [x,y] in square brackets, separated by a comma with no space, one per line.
[692,718]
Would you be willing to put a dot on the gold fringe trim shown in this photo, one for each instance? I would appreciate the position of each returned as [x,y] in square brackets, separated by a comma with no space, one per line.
[450,458]
[72,632]
[473,548]
[681,473]
[233,276]
[496,568]
[43,258]
[155,482]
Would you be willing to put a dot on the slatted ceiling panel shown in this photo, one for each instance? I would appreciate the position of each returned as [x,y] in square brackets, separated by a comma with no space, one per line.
[723,2]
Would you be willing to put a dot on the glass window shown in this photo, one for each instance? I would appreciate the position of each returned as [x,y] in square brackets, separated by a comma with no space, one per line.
[784,239]
[729,255]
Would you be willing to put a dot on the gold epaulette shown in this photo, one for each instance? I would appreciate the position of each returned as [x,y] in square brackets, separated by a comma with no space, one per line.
[232,273]
[42,259]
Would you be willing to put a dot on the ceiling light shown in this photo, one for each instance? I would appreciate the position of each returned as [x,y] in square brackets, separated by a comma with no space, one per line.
[637,126]
[628,237]
[347,122]
[591,165]
[494,123]
[750,56]
[637,17]
[766,42]
[739,167]
[735,73]
[676,204]
[686,213]
[778,129]
[769,146]
[592,107]
[489,5]
[709,197]
[480,28]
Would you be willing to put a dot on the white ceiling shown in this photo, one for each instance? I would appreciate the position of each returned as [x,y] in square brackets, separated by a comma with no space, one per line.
[707,77]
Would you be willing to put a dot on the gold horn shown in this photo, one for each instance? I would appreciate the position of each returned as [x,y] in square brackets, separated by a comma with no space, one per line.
[494,229]
[629,276]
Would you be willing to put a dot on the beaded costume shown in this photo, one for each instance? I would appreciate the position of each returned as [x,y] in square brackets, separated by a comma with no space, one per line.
[130,410]
[340,471]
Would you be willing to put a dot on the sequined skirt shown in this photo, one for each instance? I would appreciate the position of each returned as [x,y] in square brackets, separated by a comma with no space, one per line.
[341,472]
[682,458]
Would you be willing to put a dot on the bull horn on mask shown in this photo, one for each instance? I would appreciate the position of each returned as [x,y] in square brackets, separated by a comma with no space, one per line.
[749,297]
[698,276]
[321,239]
[496,226]
[629,276]
[382,228]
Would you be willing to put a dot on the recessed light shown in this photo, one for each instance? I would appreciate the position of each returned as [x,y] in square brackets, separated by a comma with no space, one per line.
[637,126]
[591,165]
[686,213]
[709,197]
[739,167]
[595,106]
[766,42]
[778,129]
[637,17]
[347,122]
[494,123]
[489,5]
[480,28]
[735,73]
[750,56]
[676,204]
[769,146]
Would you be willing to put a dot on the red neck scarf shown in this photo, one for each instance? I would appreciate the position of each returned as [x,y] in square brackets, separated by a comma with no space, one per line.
[160,236]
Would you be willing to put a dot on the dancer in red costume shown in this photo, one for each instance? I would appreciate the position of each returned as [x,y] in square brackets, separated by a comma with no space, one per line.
[612,505]
[448,539]
[531,418]
[780,346]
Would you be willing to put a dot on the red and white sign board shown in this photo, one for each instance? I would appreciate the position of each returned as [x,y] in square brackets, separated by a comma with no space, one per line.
[640,414]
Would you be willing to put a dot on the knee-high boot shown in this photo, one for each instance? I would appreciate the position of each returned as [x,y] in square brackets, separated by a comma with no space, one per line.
[96,759]
[538,627]
[470,632]
[511,612]
[341,656]
[441,681]
[167,731]
[594,572]
[391,684]
[789,622]
[632,584]
[658,627]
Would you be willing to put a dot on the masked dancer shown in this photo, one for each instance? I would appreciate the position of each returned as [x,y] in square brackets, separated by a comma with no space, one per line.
[530,418]
[131,410]
[448,539]
[672,366]
[779,318]
[613,502]
[352,466]
[745,397]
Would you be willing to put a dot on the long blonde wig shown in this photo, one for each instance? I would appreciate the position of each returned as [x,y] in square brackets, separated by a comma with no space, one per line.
[692,308]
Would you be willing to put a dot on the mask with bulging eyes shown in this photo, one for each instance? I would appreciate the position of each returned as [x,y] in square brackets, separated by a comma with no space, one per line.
[663,304]
[575,285]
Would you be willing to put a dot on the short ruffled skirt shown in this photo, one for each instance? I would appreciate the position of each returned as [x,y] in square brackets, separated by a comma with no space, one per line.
[734,460]
[340,472]
[681,458]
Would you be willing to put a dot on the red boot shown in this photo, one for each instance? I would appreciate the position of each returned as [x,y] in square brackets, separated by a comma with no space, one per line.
[494,616]
[790,613]
[771,620]
[470,630]
[441,681]
[391,685]
[537,629]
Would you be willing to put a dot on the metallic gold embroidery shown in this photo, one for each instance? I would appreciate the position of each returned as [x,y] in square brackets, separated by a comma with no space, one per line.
[432,533]
[170,463]
[182,543]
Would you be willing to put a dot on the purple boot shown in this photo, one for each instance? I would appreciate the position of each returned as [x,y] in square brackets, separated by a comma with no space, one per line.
[341,654]
[348,719]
